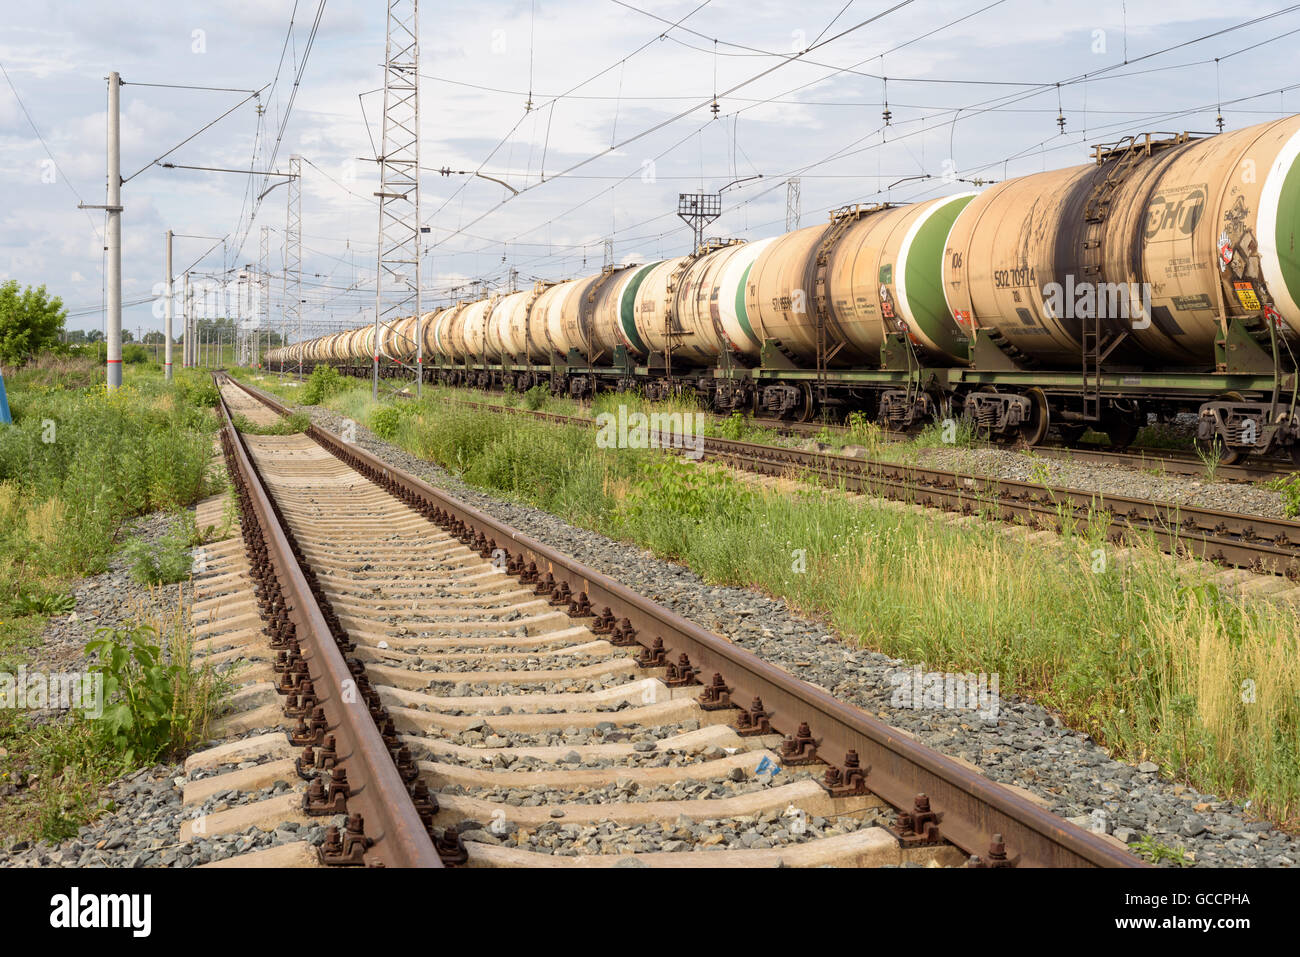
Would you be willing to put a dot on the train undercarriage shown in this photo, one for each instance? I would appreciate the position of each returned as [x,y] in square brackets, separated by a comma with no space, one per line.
[1246,407]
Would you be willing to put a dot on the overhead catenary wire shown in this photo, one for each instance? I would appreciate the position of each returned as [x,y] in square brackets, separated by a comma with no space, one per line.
[553,100]
[631,234]
[660,125]
[45,146]
[187,139]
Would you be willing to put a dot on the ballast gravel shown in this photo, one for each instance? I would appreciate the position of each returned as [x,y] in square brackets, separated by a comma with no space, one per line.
[1026,746]
[769,829]
[1247,498]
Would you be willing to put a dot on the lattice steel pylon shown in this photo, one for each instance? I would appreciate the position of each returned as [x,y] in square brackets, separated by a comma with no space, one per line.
[792,204]
[698,210]
[263,295]
[293,258]
[397,268]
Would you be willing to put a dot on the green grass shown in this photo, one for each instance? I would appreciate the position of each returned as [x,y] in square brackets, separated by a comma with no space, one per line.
[76,467]
[168,560]
[161,704]
[1142,655]
[1289,486]
[79,463]
[285,425]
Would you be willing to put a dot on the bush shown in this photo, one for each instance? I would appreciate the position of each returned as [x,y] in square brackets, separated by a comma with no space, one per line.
[536,397]
[134,354]
[30,321]
[197,389]
[385,420]
[324,382]
[153,707]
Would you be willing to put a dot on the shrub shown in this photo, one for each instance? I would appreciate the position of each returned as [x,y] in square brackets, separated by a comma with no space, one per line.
[387,419]
[153,706]
[324,382]
[384,421]
[197,390]
[536,397]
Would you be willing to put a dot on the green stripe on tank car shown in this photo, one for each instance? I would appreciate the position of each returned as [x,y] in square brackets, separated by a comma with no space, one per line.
[741,313]
[1288,203]
[925,279]
[626,313]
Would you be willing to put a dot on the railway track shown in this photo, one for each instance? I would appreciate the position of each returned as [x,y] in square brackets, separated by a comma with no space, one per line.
[1169,461]
[459,693]
[1269,546]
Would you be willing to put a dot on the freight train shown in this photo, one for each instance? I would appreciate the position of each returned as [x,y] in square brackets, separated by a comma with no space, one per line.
[1161,278]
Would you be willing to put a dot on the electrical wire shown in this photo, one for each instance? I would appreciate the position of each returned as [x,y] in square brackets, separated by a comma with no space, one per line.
[45,146]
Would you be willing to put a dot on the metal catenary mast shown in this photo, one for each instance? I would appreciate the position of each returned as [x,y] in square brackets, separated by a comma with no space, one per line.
[293,257]
[397,280]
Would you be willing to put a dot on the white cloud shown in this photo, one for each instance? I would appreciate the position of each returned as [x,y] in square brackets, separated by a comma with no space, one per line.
[57,54]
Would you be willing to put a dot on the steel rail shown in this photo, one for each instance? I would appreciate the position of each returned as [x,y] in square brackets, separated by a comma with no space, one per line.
[377,791]
[972,809]
[1259,543]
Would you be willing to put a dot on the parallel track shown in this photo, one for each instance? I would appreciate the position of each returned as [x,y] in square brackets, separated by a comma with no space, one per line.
[1258,543]
[425,591]
[1167,461]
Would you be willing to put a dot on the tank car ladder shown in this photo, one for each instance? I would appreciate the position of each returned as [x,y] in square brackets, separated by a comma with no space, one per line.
[1125,155]
[841,220]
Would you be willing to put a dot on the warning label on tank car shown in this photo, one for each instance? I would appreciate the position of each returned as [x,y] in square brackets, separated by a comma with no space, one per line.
[1246,295]
[1184,303]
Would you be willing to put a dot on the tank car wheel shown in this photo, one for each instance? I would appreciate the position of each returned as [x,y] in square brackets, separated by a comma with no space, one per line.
[1071,434]
[806,412]
[1035,430]
[1121,432]
[1214,449]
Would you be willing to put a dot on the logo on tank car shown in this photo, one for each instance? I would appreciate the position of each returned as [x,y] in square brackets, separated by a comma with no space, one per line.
[1174,213]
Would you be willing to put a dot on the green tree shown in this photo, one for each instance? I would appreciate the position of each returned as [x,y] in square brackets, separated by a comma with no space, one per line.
[30,321]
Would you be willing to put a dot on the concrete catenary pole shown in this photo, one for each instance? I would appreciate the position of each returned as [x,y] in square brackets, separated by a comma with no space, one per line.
[187,304]
[114,278]
[167,310]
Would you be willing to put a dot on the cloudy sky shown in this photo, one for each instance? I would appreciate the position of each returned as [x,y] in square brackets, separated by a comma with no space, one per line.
[621,96]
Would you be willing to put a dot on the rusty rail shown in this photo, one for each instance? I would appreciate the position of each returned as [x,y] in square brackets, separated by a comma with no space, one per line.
[976,814]
[378,804]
